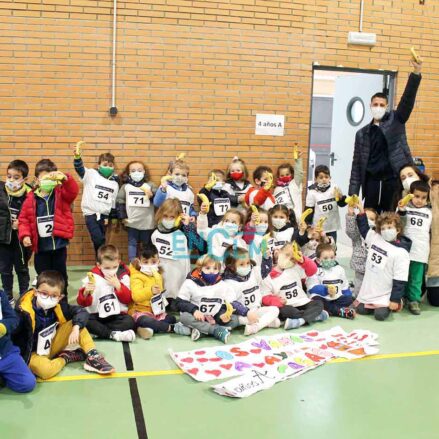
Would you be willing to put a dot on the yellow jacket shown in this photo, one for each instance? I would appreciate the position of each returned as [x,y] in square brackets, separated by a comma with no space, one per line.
[141,290]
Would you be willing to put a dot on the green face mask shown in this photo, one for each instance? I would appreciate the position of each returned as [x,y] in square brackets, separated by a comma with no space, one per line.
[47,185]
[106,171]
[328,263]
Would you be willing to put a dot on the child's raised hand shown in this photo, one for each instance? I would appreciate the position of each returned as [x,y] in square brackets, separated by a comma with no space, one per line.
[185,219]
[156,290]
[338,193]
[254,219]
[78,149]
[74,335]
[198,315]
[89,288]
[164,181]
[204,209]
[303,227]
[27,241]
[57,176]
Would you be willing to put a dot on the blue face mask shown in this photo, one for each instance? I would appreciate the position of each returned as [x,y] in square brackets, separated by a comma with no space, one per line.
[232,229]
[210,278]
[261,228]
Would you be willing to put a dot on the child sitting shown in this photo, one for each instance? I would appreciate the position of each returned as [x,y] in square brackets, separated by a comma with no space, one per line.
[49,325]
[359,249]
[201,301]
[330,285]
[245,278]
[261,195]
[13,254]
[283,288]
[417,217]
[325,199]
[149,301]
[99,194]
[13,370]
[46,221]
[134,205]
[387,265]
[106,295]
[237,183]
[219,198]
[175,185]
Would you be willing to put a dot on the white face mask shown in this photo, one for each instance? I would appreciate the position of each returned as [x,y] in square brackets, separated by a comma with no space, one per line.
[168,223]
[279,223]
[371,223]
[47,302]
[323,185]
[14,185]
[261,228]
[179,180]
[218,186]
[389,234]
[137,176]
[232,229]
[243,271]
[149,269]
[408,182]
[378,112]
[106,272]
[312,244]
[284,262]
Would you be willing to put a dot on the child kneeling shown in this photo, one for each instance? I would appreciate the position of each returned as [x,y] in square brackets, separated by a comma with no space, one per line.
[48,326]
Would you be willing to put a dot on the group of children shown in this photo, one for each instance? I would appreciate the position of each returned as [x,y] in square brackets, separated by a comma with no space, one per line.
[263,261]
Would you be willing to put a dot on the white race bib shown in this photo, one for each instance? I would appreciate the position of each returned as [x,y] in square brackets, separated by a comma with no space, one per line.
[377,258]
[290,291]
[221,206]
[45,338]
[186,207]
[418,221]
[108,305]
[45,226]
[158,304]
[250,296]
[137,199]
[337,284]
[1,314]
[14,213]
[103,194]
[210,307]
[164,248]
[327,206]
[282,197]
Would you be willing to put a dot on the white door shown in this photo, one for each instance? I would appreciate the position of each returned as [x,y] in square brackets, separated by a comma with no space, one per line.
[351,111]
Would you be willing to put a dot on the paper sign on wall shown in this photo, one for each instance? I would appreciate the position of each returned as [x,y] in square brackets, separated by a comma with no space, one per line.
[270,125]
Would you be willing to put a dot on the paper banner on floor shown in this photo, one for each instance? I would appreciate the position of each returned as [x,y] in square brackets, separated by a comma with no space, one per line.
[276,357]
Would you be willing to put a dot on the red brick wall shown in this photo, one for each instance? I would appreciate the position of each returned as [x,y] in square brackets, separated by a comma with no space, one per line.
[191,76]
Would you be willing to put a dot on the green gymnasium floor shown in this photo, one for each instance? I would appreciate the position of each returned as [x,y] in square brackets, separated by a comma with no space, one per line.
[394,395]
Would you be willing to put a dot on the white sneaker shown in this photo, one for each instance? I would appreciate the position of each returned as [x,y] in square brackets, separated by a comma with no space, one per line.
[274,324]
[251,329]
[145,333]
[128,336]
[195,334]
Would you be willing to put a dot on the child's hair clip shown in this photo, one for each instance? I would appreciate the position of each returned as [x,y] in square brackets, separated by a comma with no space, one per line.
[235,158]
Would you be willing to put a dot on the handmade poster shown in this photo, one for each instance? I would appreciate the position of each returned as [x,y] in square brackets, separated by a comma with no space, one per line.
[261,362]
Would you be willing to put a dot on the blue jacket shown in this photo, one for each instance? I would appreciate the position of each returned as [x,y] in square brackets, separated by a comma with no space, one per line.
[10,321]
[160,197]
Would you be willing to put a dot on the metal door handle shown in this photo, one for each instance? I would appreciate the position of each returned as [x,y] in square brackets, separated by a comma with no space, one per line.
[332,158]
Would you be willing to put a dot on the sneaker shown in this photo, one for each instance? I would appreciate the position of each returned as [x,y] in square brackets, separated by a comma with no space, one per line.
[251,329]
[274,324]
[347,313]
[97,363]
[181,329]
[195,334]
[128,336]
[293,323]
[414,308]
[73,356]
[221,333]
[322,316]
[145,333]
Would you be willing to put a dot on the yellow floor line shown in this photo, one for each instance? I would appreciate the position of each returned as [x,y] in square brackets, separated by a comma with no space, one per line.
[154,373]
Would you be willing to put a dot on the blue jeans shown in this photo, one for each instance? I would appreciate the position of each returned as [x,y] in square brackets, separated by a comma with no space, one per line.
[134,237]
[15,373]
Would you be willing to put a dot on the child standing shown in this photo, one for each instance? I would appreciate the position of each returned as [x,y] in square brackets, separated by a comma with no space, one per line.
[387,265]
[359,249]
[106,295]
[134,205]
[99,194]
[283,288]
[220,199]
[46,221]
[48,325]
[330,285]
[245,278]
[13,370]
[175,185]
[417,227]
[261,195]
[237,183]
[325,199]
[148,308]
[13,255]
[201,301]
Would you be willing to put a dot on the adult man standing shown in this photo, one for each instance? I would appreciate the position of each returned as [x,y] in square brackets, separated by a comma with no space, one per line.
[381,147]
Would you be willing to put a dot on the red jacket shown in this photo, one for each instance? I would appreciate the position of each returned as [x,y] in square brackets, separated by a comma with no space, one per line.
[124,294]
[63,224]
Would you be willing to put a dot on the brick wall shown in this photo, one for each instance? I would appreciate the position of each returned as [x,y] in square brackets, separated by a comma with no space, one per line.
[191,76]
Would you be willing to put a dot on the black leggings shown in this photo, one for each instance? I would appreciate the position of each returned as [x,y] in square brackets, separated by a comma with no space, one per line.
[379,313]
[103,328]
[307,312]
[433,295]
[156,325]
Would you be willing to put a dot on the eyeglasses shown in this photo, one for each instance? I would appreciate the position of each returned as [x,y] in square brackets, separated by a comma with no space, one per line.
[45,295]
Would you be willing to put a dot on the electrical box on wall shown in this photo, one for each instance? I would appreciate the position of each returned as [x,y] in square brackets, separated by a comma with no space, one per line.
[362,38]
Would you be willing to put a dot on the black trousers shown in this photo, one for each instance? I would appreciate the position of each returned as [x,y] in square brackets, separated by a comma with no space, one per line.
[97,230]
[307,312]
[379,194]
[53,260]
[14,256]
[379,313]
[333,306]
[433,295]
[156,325]
[103,328]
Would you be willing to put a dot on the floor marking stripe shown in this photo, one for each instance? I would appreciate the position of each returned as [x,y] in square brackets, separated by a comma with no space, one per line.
[154,373]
